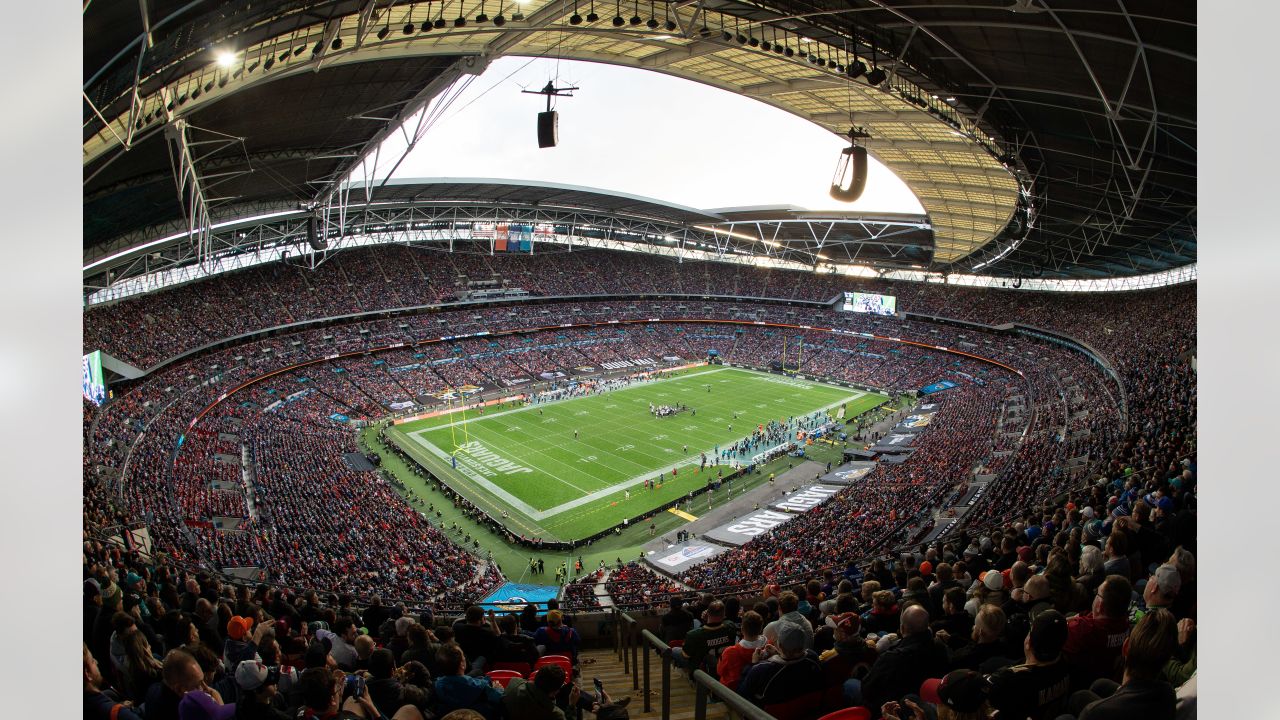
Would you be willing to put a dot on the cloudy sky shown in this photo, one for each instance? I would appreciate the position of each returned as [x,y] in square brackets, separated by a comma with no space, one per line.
[637,132]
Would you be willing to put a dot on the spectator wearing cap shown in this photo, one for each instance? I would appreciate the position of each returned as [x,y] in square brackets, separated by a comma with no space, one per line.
[1143,692]
[242,641]
[556,638]
[781,672]
[703,645]
[98,704]
[1160,591]
[738,656]
[850,656]
[259,686]
[901,669]
[1038,687]
[477,638]
[961,695]
[1094,639]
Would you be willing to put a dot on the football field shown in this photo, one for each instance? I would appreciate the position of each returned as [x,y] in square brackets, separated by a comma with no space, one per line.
[568,469]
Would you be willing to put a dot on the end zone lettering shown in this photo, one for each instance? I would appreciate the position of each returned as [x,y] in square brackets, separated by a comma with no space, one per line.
[758,523]
[491,459]
[806,499]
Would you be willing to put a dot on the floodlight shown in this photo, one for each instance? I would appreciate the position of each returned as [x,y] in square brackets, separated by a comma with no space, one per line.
[226,58]
[593,16]
[652,24]
[876,76]
[499,20]
[408,28]
[635,20]
[575,19]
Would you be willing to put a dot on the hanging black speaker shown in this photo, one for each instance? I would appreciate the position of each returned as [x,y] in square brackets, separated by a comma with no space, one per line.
[313,234]
[853,166]
[548,128]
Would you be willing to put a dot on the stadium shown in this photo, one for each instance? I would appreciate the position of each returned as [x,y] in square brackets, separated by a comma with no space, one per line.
[366,441]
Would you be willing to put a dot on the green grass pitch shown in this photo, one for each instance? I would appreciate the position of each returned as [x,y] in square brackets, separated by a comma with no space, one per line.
[527,461]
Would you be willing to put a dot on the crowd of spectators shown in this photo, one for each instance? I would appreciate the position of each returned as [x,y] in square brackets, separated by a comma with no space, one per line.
[161,642]
[1070,409]
[1024,619]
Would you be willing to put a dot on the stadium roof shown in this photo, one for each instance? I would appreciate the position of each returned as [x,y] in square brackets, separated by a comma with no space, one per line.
[1042,141]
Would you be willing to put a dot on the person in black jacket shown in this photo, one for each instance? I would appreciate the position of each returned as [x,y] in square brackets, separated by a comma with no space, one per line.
[1144,693]
[900,670]
[512,645]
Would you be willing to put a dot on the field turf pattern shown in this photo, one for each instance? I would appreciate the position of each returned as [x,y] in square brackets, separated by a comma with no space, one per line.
[618,442]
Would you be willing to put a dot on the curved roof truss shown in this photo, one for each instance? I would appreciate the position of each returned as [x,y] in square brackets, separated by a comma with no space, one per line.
[935,146]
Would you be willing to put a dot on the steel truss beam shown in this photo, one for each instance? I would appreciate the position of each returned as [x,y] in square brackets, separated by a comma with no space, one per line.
[231,244]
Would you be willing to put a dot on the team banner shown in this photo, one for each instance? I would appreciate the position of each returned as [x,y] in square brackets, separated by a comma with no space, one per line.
[512,597]
[901,457]
[806,499]
[678,558]
[402,405]
[848,474]
[454,393]
[552,375]
[914,423]
[743,530]
[584,370]
[937,387]
[516,381]
[894,442]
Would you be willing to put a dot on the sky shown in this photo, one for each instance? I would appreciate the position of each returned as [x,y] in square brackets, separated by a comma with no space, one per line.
[637,132]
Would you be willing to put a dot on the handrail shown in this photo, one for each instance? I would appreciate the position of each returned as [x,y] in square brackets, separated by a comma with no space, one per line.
[707,685]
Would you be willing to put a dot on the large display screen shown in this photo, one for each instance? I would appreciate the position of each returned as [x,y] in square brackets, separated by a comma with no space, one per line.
[870,303]
[92,383]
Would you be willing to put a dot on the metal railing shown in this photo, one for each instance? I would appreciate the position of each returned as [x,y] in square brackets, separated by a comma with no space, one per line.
[628,638]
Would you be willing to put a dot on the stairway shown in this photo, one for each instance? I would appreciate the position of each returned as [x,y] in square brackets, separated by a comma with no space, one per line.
[618,683]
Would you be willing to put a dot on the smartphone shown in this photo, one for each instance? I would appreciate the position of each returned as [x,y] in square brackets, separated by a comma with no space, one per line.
[599,686]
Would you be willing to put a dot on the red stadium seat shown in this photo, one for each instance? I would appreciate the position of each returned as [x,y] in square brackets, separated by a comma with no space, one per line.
[504,677]
[676,643]
[853,713]
[560,660]
[522,668]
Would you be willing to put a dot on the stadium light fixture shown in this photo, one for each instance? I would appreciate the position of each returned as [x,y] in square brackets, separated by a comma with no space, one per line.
[226,58]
